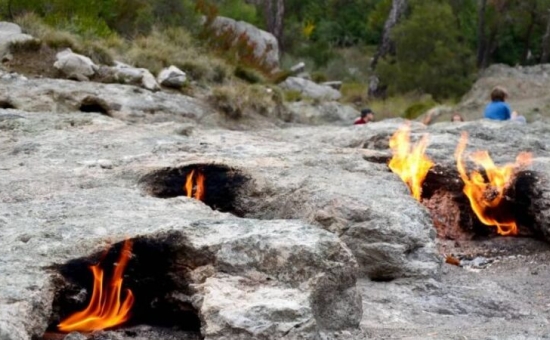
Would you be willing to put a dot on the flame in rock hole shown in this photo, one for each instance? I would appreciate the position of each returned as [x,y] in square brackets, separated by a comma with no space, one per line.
[106,308]
[485,196]
[410,162]
[198,185]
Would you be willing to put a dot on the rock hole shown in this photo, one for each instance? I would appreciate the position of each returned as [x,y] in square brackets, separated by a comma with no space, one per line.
[93,104]
[6,104]
[157,275]
[220,185]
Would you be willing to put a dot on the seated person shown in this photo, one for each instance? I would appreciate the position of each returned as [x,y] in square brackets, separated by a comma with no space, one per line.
[498,109]
[367,116]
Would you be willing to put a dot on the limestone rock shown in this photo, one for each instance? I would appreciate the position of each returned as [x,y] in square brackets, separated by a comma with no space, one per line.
[11,33]
[135,76]
[265,45]
[310,88]
[75,66]
[172,77]
[121,101]
[322,113]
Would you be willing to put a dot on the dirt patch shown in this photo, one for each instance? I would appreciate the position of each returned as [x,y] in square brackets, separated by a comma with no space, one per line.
[33,63]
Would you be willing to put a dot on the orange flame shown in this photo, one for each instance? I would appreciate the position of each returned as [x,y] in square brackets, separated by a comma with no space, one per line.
[486,197]
[105,309]
[410,162]
[198,186]
[189,184]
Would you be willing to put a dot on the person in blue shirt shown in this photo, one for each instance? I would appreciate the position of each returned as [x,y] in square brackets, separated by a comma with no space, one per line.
[498,109]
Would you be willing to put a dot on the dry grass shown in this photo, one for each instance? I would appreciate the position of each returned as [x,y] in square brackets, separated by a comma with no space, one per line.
[397,106]
[354,93]
[175,46]
[58,39]
[239,100]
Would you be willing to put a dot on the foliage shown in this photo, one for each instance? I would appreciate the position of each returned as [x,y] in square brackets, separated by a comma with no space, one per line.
[418,108]
[430,55]
[239,10]
[354,93]
[248,74]
[237,101]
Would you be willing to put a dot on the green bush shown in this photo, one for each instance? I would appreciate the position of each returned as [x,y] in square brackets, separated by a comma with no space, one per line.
[248,74]
[417,109]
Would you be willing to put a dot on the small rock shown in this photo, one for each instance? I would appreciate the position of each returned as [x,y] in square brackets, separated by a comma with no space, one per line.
[298,68]
[75,336]
[172,77]
[75,66]
[185,130]
[105,164]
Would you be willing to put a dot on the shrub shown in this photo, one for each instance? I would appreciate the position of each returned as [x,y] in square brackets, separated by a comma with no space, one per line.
[292,95]
[26,46]
[248,74]
[319,77]
[355,93]
[418,108]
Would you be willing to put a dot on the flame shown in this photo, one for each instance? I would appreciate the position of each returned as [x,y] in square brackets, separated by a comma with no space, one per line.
[198,186]
[105,309]
[486,197]
[410,162]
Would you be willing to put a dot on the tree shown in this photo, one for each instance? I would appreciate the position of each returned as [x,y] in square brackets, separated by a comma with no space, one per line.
[398,9]
[430,53]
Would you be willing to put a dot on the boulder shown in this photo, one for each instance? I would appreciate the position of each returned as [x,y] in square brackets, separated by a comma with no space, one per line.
[310,89]
[11,33]
[127,74]
[75,66]
[332,113]
[264,44]
[172,77]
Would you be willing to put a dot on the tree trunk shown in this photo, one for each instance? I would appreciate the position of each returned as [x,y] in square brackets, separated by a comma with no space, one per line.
[481,38]
[387,46]
[274,13]
[546,43]
[525,54]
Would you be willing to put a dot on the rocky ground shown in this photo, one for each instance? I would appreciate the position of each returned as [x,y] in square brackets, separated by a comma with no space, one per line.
[304,232]
[321,240]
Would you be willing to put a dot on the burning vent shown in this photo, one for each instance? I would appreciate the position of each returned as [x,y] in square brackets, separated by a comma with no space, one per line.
[478,198]
[218,186]
[136,282]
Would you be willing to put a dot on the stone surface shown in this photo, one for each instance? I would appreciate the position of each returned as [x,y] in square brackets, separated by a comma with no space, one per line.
[322,113]
[172,77]
[320,209]
[268,279]
[75,66]
[265,45]
[120,101]
[11,33]
[310,89]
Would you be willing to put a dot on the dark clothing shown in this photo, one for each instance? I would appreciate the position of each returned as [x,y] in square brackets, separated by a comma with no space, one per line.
[359,121]
[498,111]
